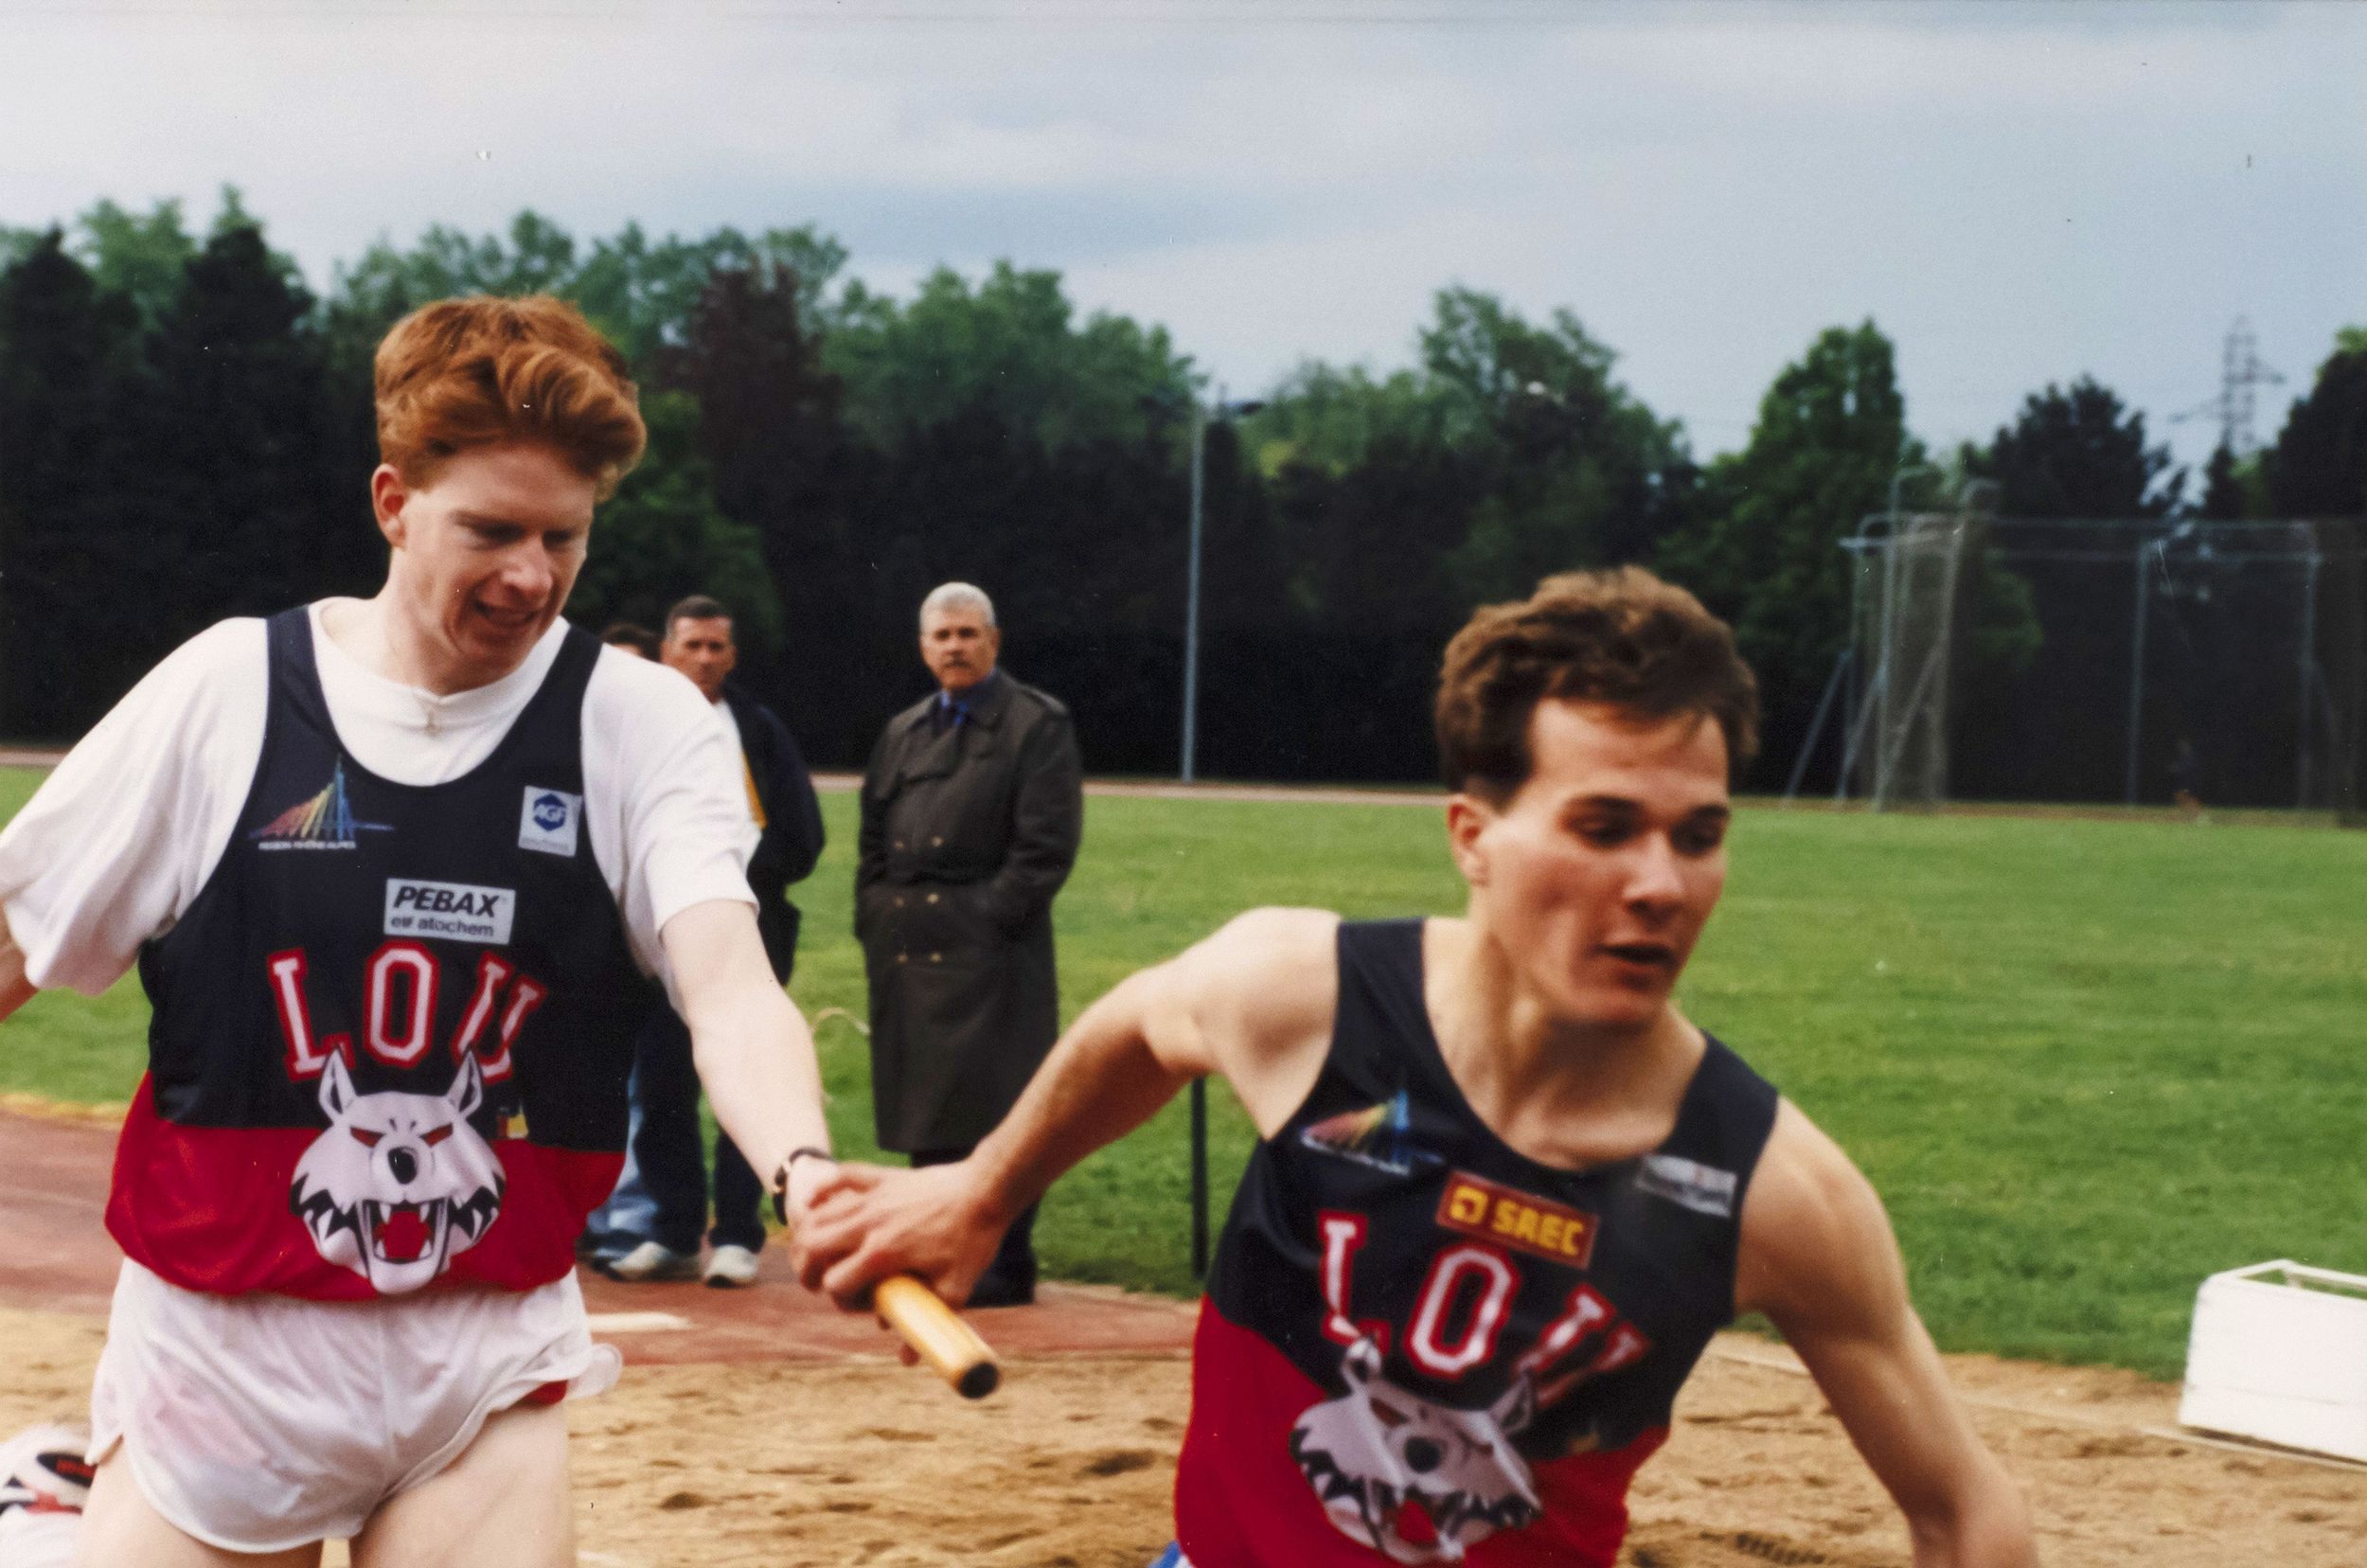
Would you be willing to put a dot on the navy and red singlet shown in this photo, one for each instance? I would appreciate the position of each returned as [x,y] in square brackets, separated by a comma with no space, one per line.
[375,984]
[1420,1346]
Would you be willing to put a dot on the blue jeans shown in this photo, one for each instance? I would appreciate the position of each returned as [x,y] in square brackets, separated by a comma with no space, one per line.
[662,1196]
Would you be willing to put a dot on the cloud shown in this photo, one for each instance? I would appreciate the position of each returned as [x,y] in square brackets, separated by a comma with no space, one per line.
[2015,191]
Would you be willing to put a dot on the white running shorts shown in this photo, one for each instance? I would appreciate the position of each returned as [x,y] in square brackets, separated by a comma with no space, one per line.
[256,1423]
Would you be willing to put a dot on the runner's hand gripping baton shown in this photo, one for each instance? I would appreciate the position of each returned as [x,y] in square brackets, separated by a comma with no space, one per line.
[951,1347]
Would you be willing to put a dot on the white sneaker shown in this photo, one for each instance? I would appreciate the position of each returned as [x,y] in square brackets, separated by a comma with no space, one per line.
[728,1267]
[43,1470]
[651,1261]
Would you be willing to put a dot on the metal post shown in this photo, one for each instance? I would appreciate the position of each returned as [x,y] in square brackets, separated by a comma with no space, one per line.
[1199,1177]
[2309,659]
[1852,699]
[1936,752]
[1191,598]
[1192,709]
[2136,670]
[1816,726]
[1878,794]
[1855,741]
[1849,694]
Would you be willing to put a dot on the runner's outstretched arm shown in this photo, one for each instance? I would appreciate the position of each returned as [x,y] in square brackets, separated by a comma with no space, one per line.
[1253,1003]
[1819,1261]
[753,1053]
[15,991]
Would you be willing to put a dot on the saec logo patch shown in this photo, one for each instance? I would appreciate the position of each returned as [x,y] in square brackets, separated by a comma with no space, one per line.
[1536,1225]
[548,820]
[452,910]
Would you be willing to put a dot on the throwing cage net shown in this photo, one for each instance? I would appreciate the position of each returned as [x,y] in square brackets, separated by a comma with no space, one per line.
[2076,660]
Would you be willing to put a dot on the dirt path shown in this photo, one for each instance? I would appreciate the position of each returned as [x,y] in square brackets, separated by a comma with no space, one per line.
[757,1428]
[808,1464]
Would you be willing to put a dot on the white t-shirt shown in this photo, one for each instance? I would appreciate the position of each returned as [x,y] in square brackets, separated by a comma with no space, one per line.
[119,841]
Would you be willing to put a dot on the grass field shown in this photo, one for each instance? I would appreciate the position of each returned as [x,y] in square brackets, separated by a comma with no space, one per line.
[2087,1062]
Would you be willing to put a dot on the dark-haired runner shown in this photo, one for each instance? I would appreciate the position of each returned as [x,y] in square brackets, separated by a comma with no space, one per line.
[1505,1191]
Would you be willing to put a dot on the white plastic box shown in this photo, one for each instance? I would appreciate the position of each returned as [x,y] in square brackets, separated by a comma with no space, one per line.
[2279,1354]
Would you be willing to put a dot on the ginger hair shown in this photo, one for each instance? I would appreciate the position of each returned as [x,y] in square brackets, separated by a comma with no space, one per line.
[466,373]
[1622,637]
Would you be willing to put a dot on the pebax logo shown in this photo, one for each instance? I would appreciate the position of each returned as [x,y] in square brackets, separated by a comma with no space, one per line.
[452,910]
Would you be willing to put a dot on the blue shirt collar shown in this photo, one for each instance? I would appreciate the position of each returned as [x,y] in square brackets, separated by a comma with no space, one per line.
[968,700]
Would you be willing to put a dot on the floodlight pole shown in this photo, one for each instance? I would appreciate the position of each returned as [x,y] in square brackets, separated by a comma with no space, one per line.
[1191,707]
[2309,659]
[1184,770]
[1199,1177]
[1191,575]
[2136,670]
[1191,593]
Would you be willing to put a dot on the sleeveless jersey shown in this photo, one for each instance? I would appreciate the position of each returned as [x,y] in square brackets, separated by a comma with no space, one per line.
[390,1038]
[1420,1346]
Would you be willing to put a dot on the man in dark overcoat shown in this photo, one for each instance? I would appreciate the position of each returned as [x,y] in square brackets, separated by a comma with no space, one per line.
[971,811]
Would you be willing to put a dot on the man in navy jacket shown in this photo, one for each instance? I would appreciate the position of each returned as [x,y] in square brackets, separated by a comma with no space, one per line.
[649,1229]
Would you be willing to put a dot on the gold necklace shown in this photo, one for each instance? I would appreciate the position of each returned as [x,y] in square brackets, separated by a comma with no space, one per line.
[430,705]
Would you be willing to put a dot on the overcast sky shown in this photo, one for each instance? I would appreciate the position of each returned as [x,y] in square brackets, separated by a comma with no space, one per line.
[2015,193]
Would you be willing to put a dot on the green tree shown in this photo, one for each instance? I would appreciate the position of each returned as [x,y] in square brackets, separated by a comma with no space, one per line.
[1765,551]
[2076,451]
[1579,473]
[769,436]
[1326,418]
[2234,488]
[1011,346]
[643,293]
[639,290]
[1564,468]
[249,449]
[18,243]
[77,565]
[138,257]
[386,283]
[662,537]
[2319,464]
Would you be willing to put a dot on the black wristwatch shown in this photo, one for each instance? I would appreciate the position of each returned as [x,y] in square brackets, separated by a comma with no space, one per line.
[780,1178]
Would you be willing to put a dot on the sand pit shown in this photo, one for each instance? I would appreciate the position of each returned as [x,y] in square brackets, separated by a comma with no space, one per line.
[815,1464]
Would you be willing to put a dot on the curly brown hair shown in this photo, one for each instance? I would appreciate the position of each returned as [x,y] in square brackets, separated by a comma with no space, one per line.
[1621,636]
[466,373]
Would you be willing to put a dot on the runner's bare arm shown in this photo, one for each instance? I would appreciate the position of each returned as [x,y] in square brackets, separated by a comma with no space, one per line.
[1819,1258]
[15,991]
[754,1052]
[1253,1003]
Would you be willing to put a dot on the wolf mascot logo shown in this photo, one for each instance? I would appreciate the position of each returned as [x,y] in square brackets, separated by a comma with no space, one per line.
[399,1184]
[1416,1481]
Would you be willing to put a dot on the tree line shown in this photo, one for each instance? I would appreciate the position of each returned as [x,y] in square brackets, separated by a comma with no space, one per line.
[185,428]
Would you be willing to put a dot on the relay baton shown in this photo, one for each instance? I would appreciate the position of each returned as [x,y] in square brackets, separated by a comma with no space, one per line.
[951,1347]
